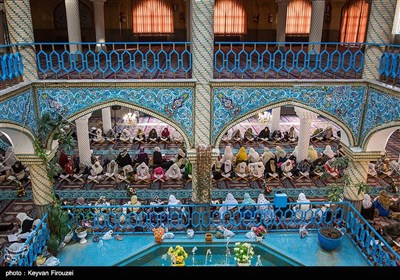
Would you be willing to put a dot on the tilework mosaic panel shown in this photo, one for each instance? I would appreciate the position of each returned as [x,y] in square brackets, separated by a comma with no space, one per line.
[19,110]
[382,108]
[175,104]
[342,102]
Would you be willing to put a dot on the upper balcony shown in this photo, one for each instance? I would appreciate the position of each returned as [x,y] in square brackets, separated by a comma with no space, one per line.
[173,60]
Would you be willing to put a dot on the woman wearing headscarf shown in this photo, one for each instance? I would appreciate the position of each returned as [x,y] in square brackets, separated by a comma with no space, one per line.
[133,202]
[228,155]
[236,135]
[382,202]
[62,159]
[142,156]
[181,159]
[157,157]
[241,156]
[249,135]
[247,205]
[280,155]
[110,156]
[312,153]
[302,207]
[174,203]
[124,159]
[271,169]
[264,206]
[140,136]
[126,136]
[173,173]
[142,172]
[9,157]
[165,134]
[328,154]
[253,156]
[367,209]
[153,136]
[267,155]
[158,174]
[226,169]
[24,222]
[176,137]
[264,134]
[241,170]
[230,199]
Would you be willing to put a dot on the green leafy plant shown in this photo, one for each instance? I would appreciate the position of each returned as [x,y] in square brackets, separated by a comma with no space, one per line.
[58,220]
[244,252]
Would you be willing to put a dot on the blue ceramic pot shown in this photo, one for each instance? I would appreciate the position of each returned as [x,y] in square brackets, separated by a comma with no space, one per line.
[329,244]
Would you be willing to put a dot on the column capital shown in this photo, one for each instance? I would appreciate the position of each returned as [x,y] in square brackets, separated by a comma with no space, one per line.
[305,114]
[356,154]
[84,119]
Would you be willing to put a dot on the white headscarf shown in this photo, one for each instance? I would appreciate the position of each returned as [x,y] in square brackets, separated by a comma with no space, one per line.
[303,199]
[328,151]
[262,200]
[157,149]
[228,154]
[367,201]
[227,166]
[142,169]
[253,156]
[267,155]
[279,152]
[22,217]
[174,172]
[173,201]
[230,199]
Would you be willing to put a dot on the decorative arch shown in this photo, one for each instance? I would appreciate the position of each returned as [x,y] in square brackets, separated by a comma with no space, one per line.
[110,103]
[349,139]
[21,138]
[377,138]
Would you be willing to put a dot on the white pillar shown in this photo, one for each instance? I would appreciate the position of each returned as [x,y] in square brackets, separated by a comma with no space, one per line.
[99,23]
[281,17]
[82,132]
[20,29]
[276,119]
[73,24]
[306,117]
[317,22]
[106,118]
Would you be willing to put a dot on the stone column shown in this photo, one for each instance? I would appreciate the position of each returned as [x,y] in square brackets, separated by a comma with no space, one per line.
[99,23]
[379,31]
[202,30]
[106,118]
[73,24]
[281,21]
[357,171]
[306,118]
[42,187]
[82,132]
[20,29]
[317,22]
[276,119]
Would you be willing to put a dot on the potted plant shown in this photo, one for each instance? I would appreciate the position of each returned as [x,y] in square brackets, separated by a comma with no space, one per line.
[58,220]
[244,252]
[329,237]
[260,232]
[177,255]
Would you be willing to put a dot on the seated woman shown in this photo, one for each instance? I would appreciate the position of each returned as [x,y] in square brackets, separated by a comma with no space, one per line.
[173,173]
[142,172]
[317,134]
[312,153]
[142,157]
[265,207]
[303,205]
[176,137]
[367,208]
[174,204]
[328,154]
[287,169]
[126,136]
[153,136]
[277,136]
[95,172]
[256,170]
[230,199]
[391,233]
[329,167]
[249,135]
[291,135]
[110,135]
[236,136]
[165,135]
[264,134]
[68,170]
[267,155]
[327,135]
[253,156]
[112,170]
[382,203]
[247,206]
[181,159]
[98,138]
[140,136]
[188,171]
[133,202]
[304,168]
[271,170]
[241,170]
[226,169]
[158,174]
[241,156]
[26,224]
[18,171]
[228,155]
[123,159]
[280,155]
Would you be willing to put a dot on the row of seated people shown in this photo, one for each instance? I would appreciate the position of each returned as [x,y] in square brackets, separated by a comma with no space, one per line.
[12,169]
[269,165]
[277,136]
[383,167]
[139,137]
[123,168]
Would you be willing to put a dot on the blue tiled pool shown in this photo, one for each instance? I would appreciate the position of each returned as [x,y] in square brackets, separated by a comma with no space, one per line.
[296,251]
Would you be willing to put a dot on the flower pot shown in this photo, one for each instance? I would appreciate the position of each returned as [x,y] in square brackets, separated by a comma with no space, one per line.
[259,238]
[158,239]
[329,243]
[81,232]
[243,264]
[208,237]
[178,264]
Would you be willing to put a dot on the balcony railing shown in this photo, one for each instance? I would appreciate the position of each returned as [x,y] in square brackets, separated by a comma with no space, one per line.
[173,60]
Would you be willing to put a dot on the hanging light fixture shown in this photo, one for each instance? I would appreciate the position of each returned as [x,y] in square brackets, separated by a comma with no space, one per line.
[130,119]
[265,117]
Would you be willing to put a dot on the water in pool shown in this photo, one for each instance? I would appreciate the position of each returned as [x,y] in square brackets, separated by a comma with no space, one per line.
[208,255]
